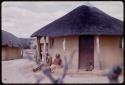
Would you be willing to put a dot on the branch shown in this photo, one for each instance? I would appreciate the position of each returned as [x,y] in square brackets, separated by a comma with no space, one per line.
[66,66]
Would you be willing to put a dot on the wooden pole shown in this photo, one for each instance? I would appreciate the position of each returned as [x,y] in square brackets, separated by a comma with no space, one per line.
[44,50]
[38,51]
[64,44]
[98,51]
[123,44]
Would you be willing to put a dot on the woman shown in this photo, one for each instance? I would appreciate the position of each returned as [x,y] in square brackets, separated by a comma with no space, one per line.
[57,63]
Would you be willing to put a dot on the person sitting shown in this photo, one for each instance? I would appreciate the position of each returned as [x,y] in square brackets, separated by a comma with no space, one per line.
[57,63]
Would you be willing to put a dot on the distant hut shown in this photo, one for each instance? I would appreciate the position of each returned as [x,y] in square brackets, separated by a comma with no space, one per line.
[25,43]
[95,36]
[10,46]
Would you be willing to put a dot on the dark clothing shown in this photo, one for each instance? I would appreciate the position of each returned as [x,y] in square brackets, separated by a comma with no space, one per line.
[114,74]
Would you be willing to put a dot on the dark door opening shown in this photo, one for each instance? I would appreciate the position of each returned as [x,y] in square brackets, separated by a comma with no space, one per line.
[86,52]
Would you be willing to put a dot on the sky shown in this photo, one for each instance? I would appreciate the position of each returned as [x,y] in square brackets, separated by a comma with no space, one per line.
[23,18]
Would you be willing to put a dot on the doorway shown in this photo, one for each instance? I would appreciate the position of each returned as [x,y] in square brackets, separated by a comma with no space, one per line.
[86,52]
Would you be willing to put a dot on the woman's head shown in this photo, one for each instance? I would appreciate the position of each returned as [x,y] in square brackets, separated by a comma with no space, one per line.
[57,55]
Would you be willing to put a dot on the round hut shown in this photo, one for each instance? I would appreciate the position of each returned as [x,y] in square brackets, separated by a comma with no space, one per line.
[11,48]
[95,38]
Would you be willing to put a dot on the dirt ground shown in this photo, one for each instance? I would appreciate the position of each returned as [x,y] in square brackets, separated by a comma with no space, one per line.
[20,71]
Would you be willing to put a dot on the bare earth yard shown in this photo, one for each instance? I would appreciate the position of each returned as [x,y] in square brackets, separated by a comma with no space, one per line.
[20,71]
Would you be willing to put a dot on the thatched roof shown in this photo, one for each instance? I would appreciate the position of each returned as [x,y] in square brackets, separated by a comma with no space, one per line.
[10,40]
[83,20]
